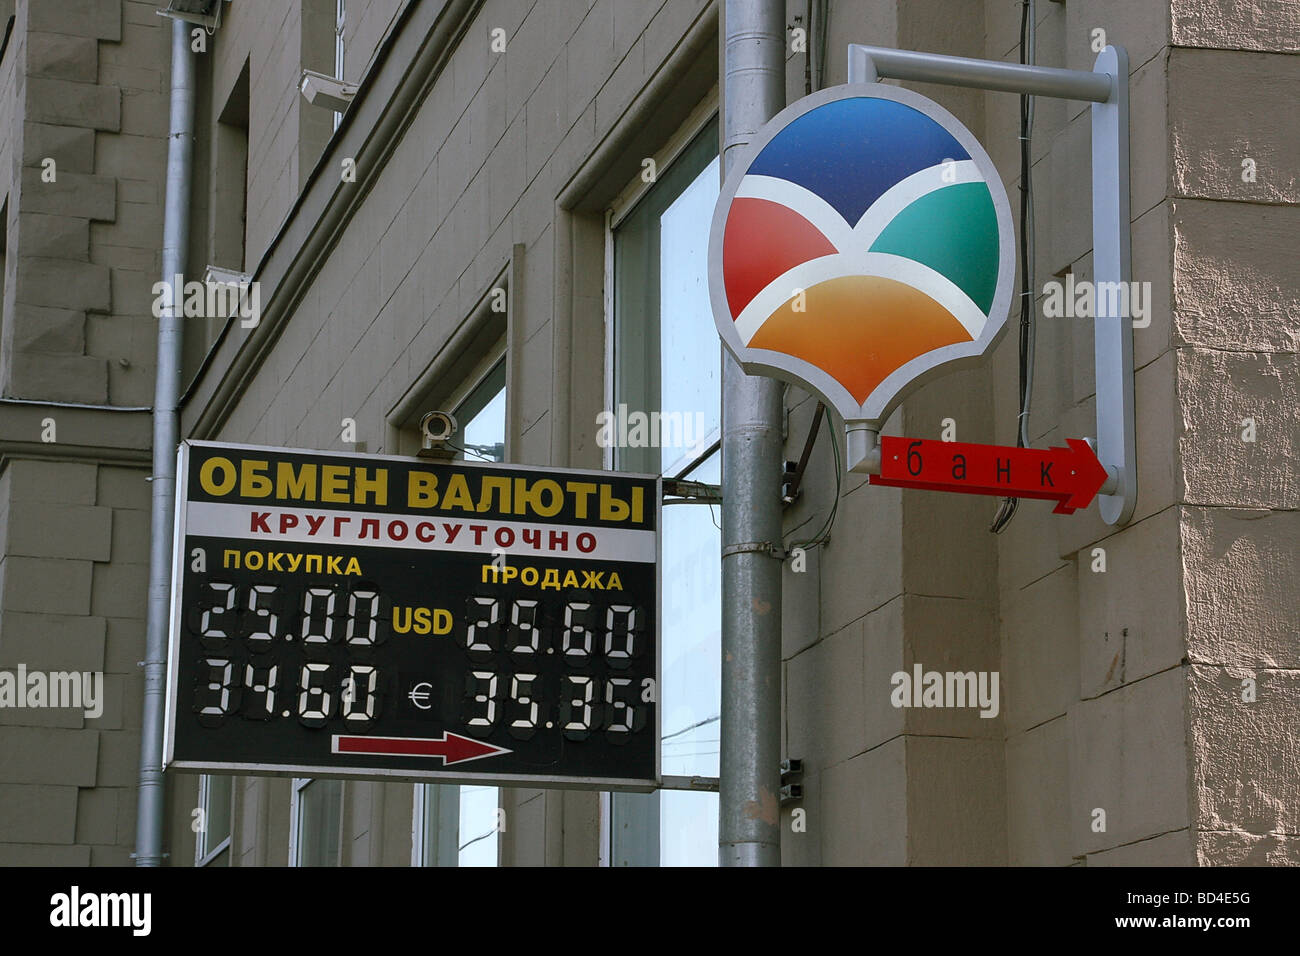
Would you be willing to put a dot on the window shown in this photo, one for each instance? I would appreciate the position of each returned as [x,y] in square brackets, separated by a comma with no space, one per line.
[315,822]
[230,179]
[435,826]
[482,416]
[212,846]
[467,378]
[465,818]
[320,49]
[224,158]
[478,826]
[666,357]
[340,21]
[4,262]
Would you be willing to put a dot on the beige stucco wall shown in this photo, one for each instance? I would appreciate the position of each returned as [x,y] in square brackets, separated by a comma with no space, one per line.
[1236,329]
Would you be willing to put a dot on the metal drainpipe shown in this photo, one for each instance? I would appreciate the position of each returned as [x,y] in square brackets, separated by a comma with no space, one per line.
[750,784]
[166,430]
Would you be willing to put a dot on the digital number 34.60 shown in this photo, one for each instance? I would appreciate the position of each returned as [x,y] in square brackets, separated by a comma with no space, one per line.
[257,691]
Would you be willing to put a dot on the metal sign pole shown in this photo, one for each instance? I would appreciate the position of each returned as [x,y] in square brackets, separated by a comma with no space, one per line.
[749,801]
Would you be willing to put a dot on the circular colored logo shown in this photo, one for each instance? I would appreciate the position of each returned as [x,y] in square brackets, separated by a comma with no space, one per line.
[862,244]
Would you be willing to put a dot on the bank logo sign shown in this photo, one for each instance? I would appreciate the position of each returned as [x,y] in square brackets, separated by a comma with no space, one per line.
[862,244]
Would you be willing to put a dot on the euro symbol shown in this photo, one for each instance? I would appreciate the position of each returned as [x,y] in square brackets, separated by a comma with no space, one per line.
[420,693]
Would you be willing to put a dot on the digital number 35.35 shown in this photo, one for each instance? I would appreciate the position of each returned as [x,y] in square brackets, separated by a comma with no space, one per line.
[522,703]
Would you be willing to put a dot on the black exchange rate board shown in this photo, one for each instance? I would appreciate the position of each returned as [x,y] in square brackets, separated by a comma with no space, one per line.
[373,616]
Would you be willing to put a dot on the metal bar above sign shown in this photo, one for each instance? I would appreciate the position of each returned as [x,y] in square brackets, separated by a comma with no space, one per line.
[1112,332]
[867,64]
[1106,87]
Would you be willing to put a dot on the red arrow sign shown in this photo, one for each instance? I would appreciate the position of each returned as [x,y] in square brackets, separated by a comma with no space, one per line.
[451,748]
[1069,476]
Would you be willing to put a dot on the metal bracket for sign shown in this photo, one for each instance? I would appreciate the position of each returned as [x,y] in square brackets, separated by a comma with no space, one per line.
[791,781]
[698,784]
[791,790]
[755,547]
[690,492]
[1106,87]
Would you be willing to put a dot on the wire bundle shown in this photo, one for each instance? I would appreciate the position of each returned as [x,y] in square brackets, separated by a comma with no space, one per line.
[1028,310]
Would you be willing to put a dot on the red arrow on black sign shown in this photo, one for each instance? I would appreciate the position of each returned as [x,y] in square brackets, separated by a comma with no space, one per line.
[1069,476]
[451,748]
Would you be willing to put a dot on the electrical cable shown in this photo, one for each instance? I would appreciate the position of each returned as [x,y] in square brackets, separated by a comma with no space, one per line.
[482,836]
[823,534]
[1028,309]
[699,723]
[823,21]
[465,451]
[807,51]
[1028,305]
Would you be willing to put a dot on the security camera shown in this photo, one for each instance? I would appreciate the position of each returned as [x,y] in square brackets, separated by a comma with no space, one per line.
[437,427]
[327,91]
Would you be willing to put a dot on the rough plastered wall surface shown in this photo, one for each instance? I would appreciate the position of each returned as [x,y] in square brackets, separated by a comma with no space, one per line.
[82,92]
[1236,236]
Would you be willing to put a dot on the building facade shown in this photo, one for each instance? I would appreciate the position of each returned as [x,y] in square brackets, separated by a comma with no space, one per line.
[509,221]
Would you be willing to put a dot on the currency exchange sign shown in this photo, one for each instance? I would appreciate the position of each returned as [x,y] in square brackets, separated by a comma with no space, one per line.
[343,615]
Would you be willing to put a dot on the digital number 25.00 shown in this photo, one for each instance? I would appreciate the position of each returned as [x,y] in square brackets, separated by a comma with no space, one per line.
[226,610]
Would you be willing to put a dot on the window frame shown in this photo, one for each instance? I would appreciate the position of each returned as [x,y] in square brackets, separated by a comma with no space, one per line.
[295,817]
[203,854]
[623,205]
[445,829]
[340,49]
